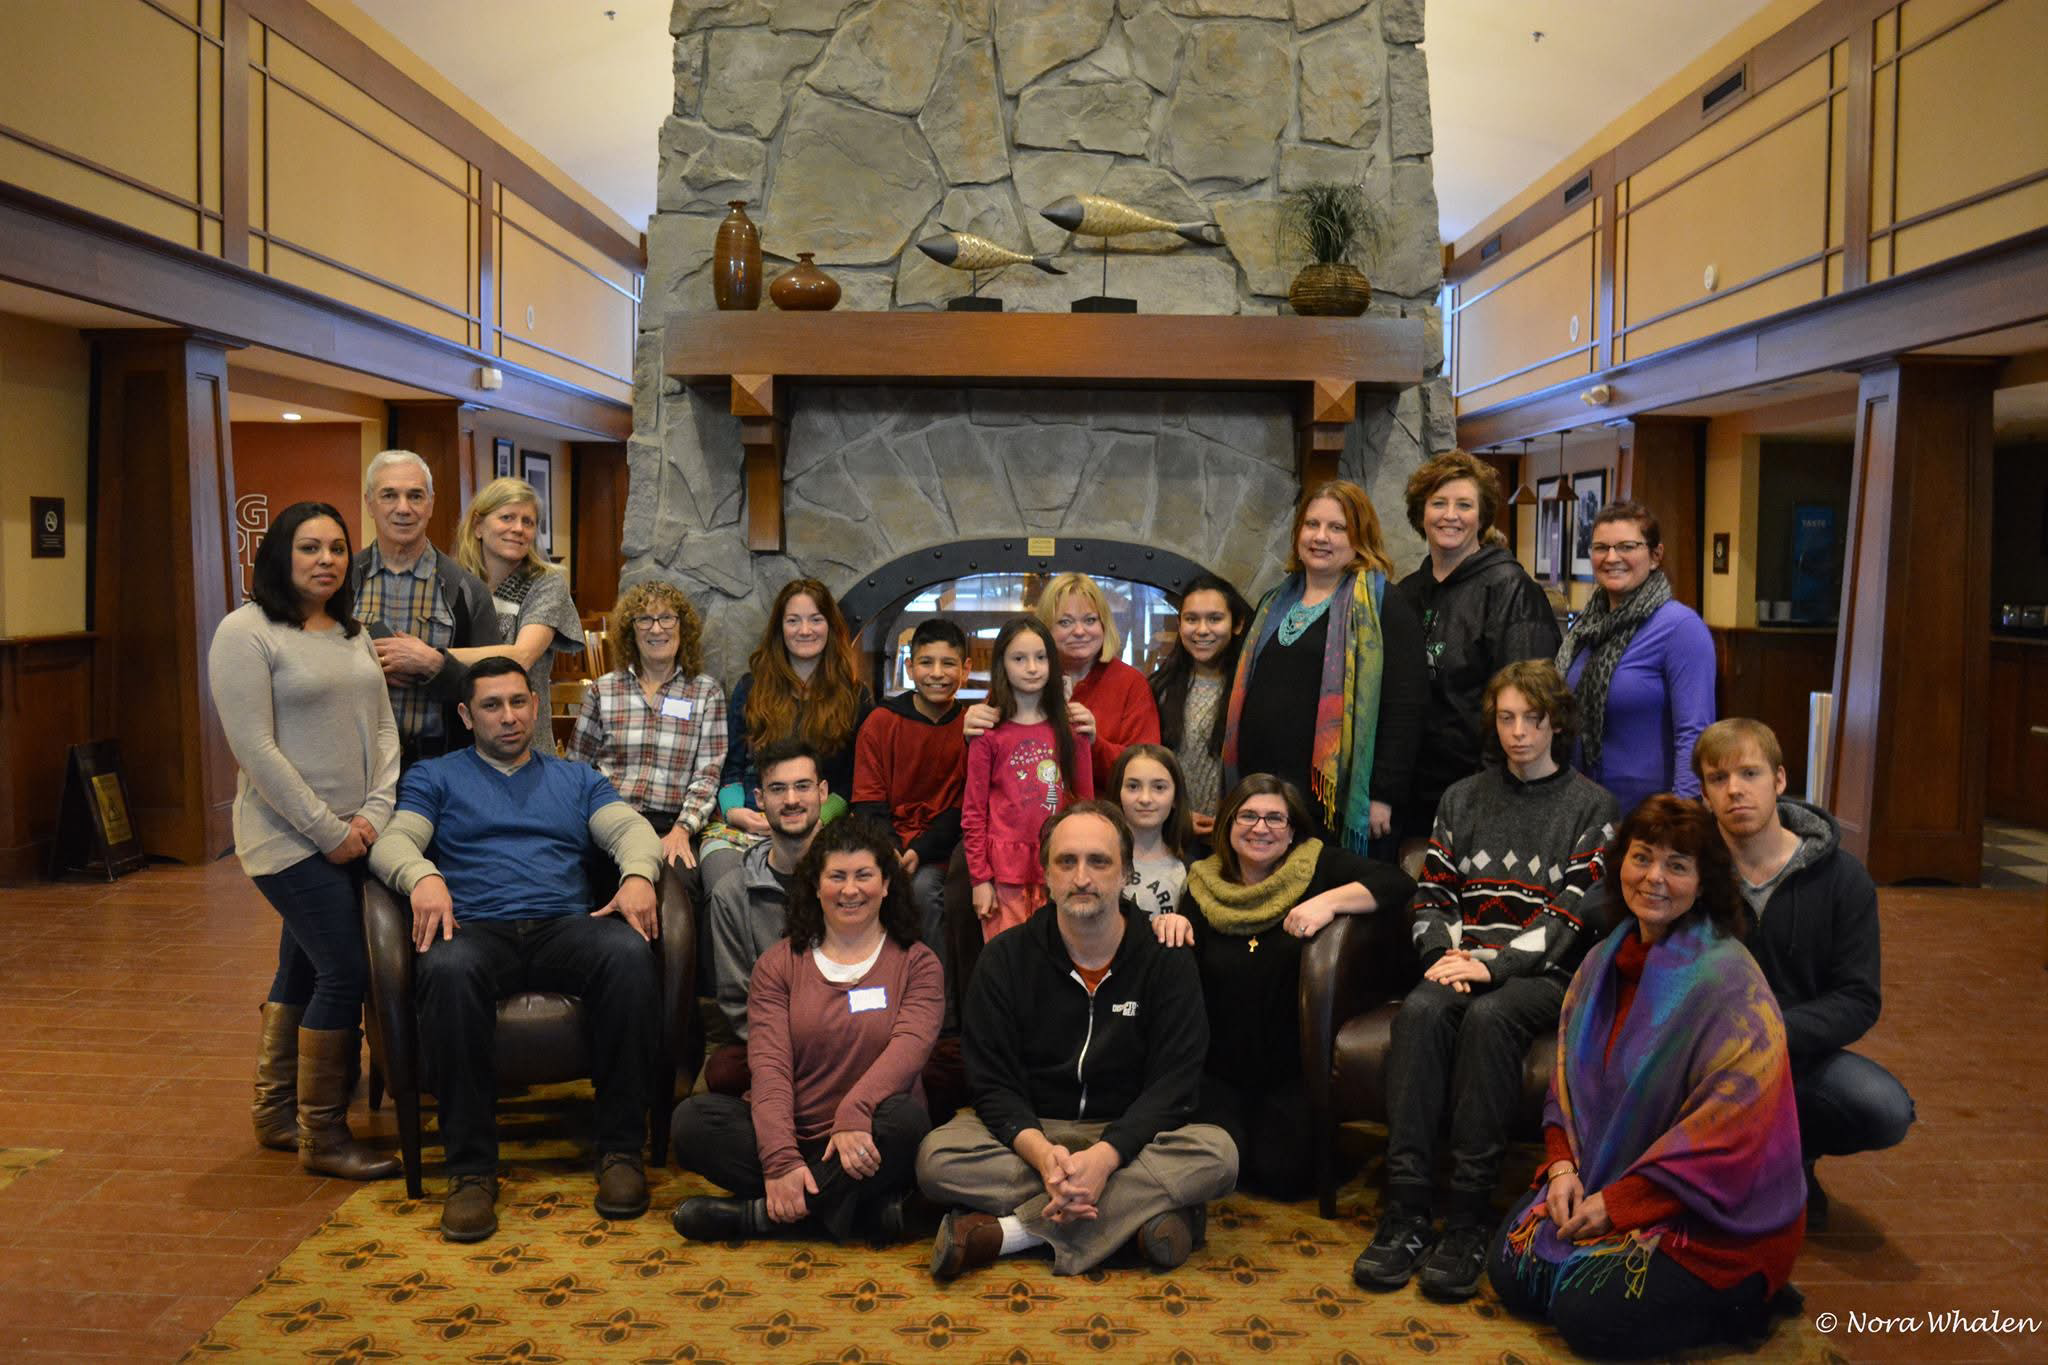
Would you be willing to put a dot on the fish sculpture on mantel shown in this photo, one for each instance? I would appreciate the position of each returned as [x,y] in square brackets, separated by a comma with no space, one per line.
[1091,215]
[965,251]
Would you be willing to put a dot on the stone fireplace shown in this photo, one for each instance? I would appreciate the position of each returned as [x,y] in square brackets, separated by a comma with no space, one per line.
[855,127]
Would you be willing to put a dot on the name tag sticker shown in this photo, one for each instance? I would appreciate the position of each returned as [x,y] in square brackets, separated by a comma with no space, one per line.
[868,998]
[676,707]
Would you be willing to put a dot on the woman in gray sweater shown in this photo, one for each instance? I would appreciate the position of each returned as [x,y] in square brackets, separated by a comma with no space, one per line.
[308,716]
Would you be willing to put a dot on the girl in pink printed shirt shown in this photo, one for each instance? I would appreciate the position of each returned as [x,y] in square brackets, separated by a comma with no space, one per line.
[1018,774]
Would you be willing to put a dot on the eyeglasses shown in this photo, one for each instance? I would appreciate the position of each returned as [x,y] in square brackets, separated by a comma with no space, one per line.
[1252,819]
[667,622]
[1619,547]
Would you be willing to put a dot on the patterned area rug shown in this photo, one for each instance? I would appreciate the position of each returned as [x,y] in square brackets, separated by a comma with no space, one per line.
[559,1284]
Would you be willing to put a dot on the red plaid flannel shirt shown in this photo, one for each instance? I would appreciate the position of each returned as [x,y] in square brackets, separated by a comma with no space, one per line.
[658,762]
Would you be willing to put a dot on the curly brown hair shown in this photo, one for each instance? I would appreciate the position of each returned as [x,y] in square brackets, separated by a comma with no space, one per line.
[1453,464]
[640,600]
[852,834]
[1683,827]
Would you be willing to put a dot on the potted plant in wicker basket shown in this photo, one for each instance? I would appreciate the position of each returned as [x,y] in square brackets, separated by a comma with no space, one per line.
[1332,222]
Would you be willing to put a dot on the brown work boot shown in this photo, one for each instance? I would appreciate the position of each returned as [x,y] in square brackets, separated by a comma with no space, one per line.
[966,1241]
[470,1212]
[621,1186]
[1167,1239]
[325,1145]
[275,1113]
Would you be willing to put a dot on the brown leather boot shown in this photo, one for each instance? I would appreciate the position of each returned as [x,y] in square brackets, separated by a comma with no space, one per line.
[325,1144]
[275,1112]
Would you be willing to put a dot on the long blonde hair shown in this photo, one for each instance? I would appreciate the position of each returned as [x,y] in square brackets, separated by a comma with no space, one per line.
[491,498]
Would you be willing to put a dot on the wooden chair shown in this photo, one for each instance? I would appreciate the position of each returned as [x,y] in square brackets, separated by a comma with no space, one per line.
[541,1037]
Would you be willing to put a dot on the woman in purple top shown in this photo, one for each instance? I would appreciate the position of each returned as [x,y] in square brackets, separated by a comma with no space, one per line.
[1641,664]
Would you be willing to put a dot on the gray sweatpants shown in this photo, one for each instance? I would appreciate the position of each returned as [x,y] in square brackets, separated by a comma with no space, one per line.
[961,1163]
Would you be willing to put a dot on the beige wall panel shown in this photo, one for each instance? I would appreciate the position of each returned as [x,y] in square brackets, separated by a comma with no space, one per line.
[1881,258]
[1838,167]
[335,192]
[1788,290]
[1747,214]
[294,268]
[1542,377]
[1971,110]
[210,12]
[1834,280]
[1514,262]
[1732,475]
[150,131]
[1764,108]
[1884,144]
[45,404]
[518,211]
[288,63]
[95,193]
[568,371]
[1992,220]
[1885,33]
[572,312]
[1918,18]
[1527,318]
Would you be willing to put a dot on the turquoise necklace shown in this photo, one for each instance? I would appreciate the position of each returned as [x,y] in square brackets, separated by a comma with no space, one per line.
[1299,618]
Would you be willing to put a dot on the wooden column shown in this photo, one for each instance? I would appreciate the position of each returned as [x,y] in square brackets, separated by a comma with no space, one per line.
[1661,460]
[437,431]
[1912,662]
[164,574]
[1328,407]
[598,503]
[763,433]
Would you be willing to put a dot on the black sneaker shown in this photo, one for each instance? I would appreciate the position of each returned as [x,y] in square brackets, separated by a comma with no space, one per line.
[1397,1246]
[1454,1269]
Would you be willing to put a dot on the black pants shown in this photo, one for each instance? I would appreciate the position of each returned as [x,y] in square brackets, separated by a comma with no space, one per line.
[459,982]
[321,961]
[1469,1048]
[1601,1314]
[714,1136]
[1274,1133]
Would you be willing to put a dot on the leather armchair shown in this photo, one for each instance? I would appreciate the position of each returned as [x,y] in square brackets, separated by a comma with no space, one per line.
[1354,976]
[541,1038]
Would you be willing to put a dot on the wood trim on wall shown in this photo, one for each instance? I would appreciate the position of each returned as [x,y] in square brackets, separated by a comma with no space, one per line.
[234,132]
[46,706]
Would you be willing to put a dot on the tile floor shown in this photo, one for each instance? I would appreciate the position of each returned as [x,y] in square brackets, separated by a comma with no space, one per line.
[128,1019]
[2015,857]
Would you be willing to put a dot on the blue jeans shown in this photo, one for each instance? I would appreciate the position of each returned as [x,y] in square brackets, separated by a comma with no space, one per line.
[1849,1104]
[321,961]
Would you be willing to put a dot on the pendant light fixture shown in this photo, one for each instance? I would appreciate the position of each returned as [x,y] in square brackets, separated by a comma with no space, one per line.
[1525,492]
[1563,492]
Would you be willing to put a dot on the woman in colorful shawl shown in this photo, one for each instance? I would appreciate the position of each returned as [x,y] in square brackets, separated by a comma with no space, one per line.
[1672,1205]
[1331,684]
[1249,911]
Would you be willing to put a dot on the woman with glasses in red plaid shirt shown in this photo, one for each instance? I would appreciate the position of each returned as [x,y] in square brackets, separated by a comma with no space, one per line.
[655,725]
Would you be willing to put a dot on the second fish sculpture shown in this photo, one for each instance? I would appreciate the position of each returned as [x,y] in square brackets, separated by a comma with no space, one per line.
[1091,215]
[965,251]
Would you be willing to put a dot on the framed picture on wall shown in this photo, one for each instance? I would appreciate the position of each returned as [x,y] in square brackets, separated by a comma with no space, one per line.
[536,467]
[1550,520]
[1589,493]
[501,458]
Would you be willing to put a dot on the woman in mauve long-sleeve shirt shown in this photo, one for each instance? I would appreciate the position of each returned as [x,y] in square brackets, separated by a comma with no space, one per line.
[841,1018]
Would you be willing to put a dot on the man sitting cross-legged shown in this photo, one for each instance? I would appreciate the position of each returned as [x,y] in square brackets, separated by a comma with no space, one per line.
[1812,913]
[1083,1038]
[490,844]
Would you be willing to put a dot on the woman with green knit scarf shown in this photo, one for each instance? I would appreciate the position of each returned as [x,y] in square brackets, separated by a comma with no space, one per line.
[1331,684]
[1249,910]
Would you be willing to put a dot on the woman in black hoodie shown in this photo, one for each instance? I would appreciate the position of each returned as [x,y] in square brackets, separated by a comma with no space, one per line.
[1480,612]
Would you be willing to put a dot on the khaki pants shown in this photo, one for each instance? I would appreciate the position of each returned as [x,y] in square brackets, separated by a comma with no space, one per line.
[961,1163]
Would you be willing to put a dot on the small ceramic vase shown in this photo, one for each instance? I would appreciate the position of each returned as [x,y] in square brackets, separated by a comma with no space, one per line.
[736,261]
[804,288]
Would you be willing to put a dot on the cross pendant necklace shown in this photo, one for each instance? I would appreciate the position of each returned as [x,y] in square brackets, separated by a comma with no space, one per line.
[1254,945]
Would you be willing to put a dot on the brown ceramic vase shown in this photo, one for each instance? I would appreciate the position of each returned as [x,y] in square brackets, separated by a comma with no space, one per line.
[803,288]
[736,261]
[1326,289]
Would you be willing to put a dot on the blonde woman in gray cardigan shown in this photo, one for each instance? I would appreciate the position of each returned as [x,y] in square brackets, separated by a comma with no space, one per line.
[307,714]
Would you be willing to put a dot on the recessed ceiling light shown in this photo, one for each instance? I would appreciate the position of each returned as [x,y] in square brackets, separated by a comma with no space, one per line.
[291,416]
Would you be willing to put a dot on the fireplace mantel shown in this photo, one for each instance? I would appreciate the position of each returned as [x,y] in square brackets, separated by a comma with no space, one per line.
[1325,362]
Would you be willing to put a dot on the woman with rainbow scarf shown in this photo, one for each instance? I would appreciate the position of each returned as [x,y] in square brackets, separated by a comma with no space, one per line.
[1673,1205]
[1331,684]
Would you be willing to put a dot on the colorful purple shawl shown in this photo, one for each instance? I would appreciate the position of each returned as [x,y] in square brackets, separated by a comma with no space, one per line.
[1697,1096]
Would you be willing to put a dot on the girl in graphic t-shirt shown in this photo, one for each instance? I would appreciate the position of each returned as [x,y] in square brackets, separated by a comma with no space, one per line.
[1018,774]
[1148,785]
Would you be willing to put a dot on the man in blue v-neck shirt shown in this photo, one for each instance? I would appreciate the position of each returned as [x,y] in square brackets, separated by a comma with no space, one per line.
[501,905]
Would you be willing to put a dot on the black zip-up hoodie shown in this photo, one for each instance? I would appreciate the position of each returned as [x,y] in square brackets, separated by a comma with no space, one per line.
[1485,616]
[1038,1046]
[1817,939]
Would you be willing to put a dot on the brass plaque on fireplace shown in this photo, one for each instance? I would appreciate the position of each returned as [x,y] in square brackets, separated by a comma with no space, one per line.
[1039,547]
